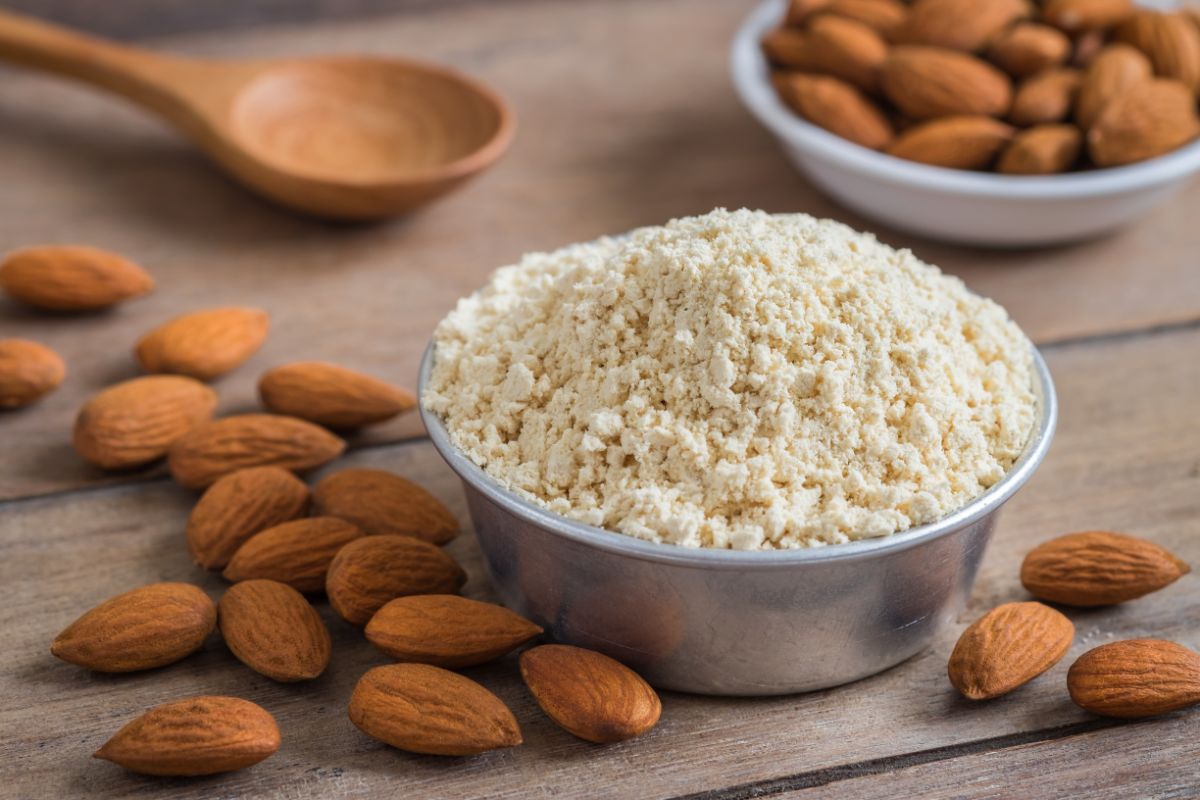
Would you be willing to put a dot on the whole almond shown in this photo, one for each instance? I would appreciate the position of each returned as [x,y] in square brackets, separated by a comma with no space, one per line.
[1143,121]
[1098,568]
[928,82]
[424,709]
[1029,48]
[447,630]
[28,372]
[144,628]
[785,47]
[368,572]
[955,142]
[883,16]
[1008,647]
[1170,41]
[226,445]
[1087,46]
[589,694]
[799,11]
[197,736]
[239,505]
[1135,678]
[1112,71]
[71,278]
[273,630]
[1084,15]
[835,106]
[1042,150]
[203,344]
[331,395]
[838,47]
[381,502]
[135,422]
[297,553]
[1046,97]
[958,24]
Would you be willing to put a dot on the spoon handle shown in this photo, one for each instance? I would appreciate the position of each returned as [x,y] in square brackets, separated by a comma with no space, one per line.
[148,79]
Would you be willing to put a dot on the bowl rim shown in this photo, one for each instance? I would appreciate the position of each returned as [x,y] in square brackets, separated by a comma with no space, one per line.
[750,74]
[708,558]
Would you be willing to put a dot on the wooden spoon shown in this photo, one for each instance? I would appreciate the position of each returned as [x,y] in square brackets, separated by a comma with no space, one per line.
[351,137]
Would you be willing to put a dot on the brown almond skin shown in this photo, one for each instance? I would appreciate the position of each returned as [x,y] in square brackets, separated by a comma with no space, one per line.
[882,16]
[1074,16]
[835,106]
[425,709]
[214,449]
[144,628]
[197,736]
[846,49]
[273,630]
[966,25]
[589,694]
[1135,678]
[1029,48]
[370,571]
[1098,568]
[332,396]
[799,11]
[1114,69]
[1170,41]
[1144,121]
[203,344]
[446,630]
[1008,647]
[954,142]
[239,505]
[381,502]
[28,372]
[928,82]
[1042,150]
[297,553]
[1046,98]
[71,278]
[135,422]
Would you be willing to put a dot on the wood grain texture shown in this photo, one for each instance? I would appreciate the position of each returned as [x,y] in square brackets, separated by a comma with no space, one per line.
[1126,458]
[605,144]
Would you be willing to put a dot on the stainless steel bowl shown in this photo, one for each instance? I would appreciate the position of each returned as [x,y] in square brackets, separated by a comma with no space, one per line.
[728,622]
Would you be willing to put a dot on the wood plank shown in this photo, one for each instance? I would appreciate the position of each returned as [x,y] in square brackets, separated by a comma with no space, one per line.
[1125,458]
[605,144]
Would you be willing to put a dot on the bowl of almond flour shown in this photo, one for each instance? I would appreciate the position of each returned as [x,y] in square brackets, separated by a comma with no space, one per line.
[744,453]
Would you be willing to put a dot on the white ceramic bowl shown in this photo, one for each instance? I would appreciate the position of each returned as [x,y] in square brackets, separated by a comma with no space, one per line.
[948,204]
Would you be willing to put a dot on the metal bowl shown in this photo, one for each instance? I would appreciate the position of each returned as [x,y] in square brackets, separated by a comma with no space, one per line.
[726,622]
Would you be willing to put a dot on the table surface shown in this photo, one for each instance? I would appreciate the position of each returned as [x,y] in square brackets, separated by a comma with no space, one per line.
[626,118]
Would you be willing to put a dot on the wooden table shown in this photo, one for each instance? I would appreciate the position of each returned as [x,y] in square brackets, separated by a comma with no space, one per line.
[627,118]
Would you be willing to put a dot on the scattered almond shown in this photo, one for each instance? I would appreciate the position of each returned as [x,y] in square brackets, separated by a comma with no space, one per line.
[1029,48]
[1046,97]
[1135,678]
[835,106]
[1008,647]
[331,395]
[239,505]
[197,736]
[956,142]
[297,553]
[1098,568]
[1143,121]
[220,447]
[273,630]
[426,709]
[381,502]
[1082,15]
[28,372]
[958,24]
[928,82]
[883,16]
[135,422]
[589,694]
[1114,69]
[1042,150]
[203,344]
[370,571]
[141,629]
[71,278]
[447,630]
[1170,41]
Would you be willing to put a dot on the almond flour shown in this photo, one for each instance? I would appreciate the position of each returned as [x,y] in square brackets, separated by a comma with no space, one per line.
[736,380]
